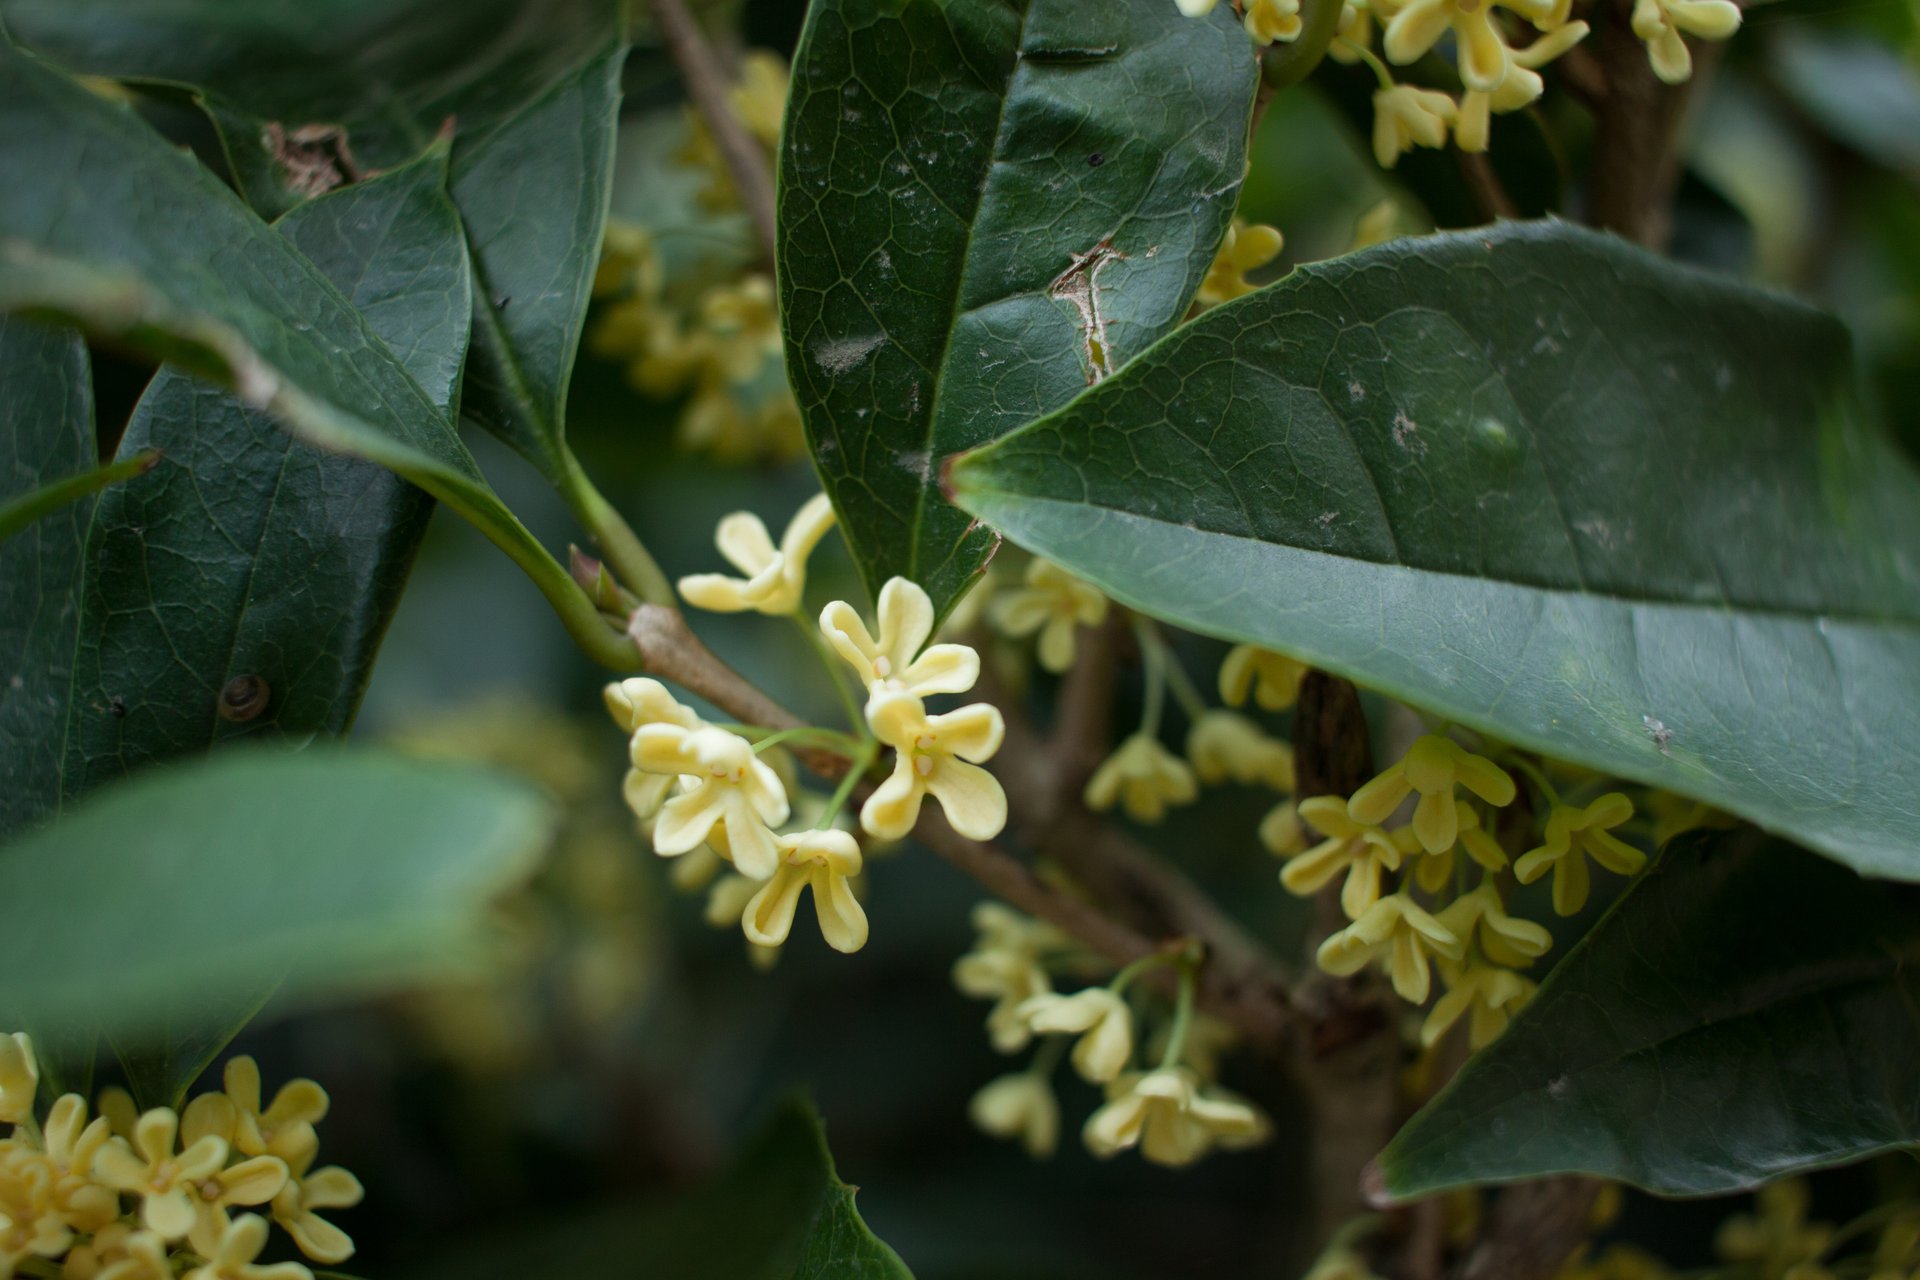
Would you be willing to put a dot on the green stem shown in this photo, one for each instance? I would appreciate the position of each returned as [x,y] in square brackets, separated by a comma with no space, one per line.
[1121,980]
[1366,55]
[1046,1059]
[836,671]
[832,738]
[1155,657]
[1286,65]
[1182,1014]
[862,761]
[24,510]
[620,547]
[1538,778]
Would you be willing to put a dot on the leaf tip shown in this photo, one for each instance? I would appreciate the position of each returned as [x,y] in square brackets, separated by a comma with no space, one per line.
[1373,1186]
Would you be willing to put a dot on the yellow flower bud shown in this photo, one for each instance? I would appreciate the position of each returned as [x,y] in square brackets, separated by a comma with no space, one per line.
[1019,1106]
[1099,1017]
[1053,603]
[1405,117]
[1144,778]
[19,1078]
[1272,678]
[1225,745]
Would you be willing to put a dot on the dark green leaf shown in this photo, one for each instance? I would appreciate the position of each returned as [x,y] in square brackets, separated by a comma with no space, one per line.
[334,870]
[982,208]
[17,513]
[1542,484]
[1744,1011]
[46,431]
[140,243]
[247,555]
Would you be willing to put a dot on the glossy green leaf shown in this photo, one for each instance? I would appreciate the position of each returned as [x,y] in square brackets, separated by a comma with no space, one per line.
[136,241]
[982,208]
[247,554]
[17,513]
[181,889]
[1536,482]
[1745,1010]
[46,432]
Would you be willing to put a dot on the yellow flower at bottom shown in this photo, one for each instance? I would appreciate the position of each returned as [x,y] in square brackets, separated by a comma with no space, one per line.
[1102,1021]
[1401,930]
[821,861]
[310,1189]
[1491,995]
[118,1252]
[19,1078]
[937,755]
[1055,604]
[1019,1106]
[1271,21]
[1004,966]
[1171,1117]
[1245,248]
[1433,766]
[1660,23]
[234,1259]
[1405,117]
[1572,836]
[1272,678]
[283,1129]
[161,1177]
[776,577]
[1778,1237]
[1144,777]
[731,788]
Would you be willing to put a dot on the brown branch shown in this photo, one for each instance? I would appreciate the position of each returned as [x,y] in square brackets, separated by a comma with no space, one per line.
[1636,143]
[1489,193]
[707,86]
[1534,1229]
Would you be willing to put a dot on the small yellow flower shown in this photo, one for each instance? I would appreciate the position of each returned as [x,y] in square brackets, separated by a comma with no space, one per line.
[1053,603]
[1405,117]
[1196,8]
[1144,778]
[1272,678]
[1401,930]
[1248,247]
[1282,832]
[641,701]
[1435,870]
[894,662]
[822,861]
[1354,33]
[1777,1237]
[118,1252]
[1223,745]
[1504,940]
[235,1257]
[730,788]
[1005,967]
[1171,1117]
[776,577]
[1483,55]
[32,1220]
[1572,836]
[70,1144]
[1491,995]
[1268,21]
[1100,1018]
[118,1109]
[284,1128]
[19,1078]
[1361,850]
[1897,1255]
[1661,24]
[1522,86]
[307,1190]
[1020,1106]
[937,755]
[162,1178]
[1433,766]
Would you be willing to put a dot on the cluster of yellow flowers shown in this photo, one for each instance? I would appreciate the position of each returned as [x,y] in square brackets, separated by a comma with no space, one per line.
[720,348]
[1477,946]
[697,786]
[127,1196]
[1172,1111]
[1497,74]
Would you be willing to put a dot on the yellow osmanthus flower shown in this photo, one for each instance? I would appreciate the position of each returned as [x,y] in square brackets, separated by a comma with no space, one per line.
[776,577]
[1522,86]
[31,1219]
[284,1128]
[819,860]
[1099,1017]
[236,1256]
[1486,995]
[258,1179]
[19,1078]
[1143,777]
[1665,24]
[1226,745]
[1272,678]
[1504,940]
[1574,835]
[1019,1106]
[894,662]
[307,1191]
[1435,870]
[1273,21]
[1172,1117]
[937,755]
[1400,930]
[634,703]
[70,1143]
[1616,1262]
[1362,850]
[731,789]
[162,1177]
[1055,604]
[1282,831]
[1354,34]
[118,1252]
[1248,247]
[1005,967]
[1897,1255]
[1483,55]
[1778,1237]
[1405,117]
[1433,766]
